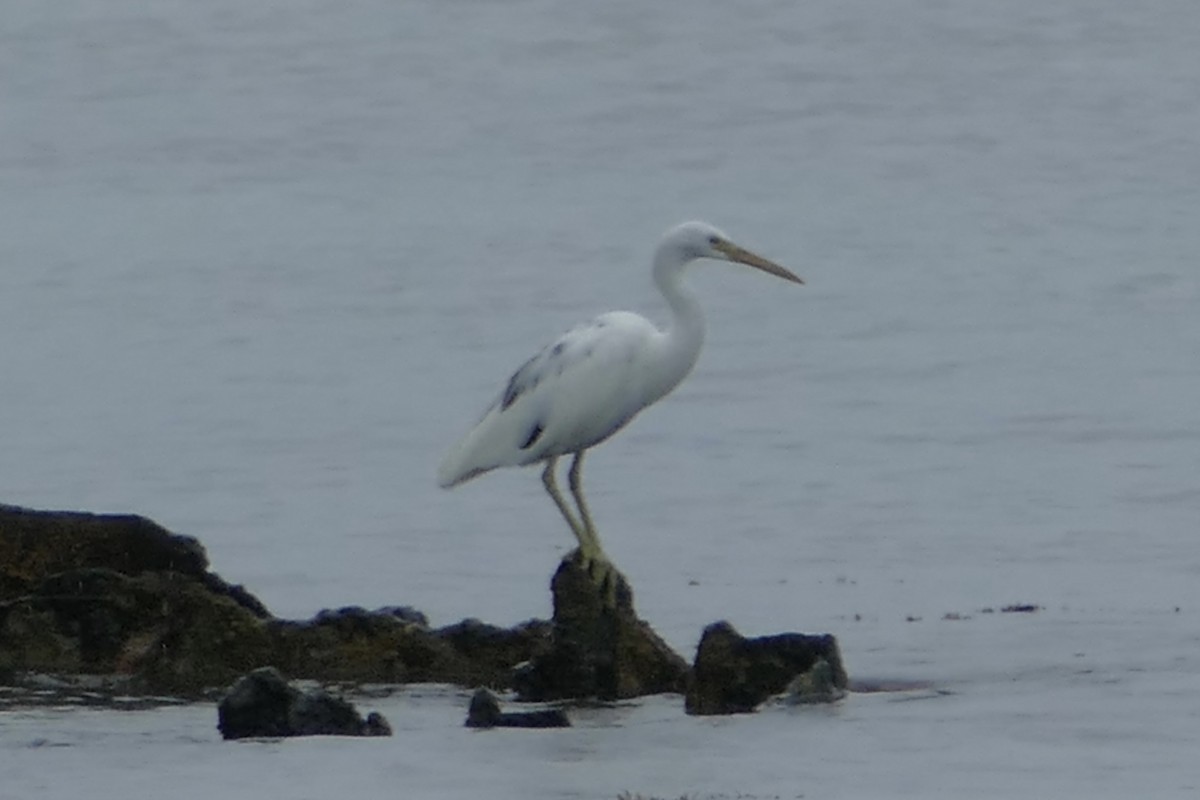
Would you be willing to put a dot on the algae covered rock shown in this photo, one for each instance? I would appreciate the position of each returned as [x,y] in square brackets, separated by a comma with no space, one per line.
[119,595]
[34,544]
[167,631]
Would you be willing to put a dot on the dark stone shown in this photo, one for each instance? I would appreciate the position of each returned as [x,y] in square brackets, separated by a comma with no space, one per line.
[263,704]
[484,712]
[598,647]
[257,705]
[733,674]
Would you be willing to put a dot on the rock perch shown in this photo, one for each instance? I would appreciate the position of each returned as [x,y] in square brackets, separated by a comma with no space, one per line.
[598,648]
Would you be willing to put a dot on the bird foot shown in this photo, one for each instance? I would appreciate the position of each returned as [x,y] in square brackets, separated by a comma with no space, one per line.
[603,574]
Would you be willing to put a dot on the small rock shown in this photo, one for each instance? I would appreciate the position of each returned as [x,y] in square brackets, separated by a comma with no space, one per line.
[263,704]
[733,674]
[484,712]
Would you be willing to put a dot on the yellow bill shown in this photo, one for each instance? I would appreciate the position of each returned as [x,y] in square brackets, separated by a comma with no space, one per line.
[743,256]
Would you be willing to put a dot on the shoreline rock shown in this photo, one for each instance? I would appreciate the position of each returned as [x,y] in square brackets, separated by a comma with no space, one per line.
[119,595]
[122,597]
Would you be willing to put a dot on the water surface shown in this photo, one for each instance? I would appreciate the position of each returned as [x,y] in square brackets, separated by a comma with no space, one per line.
[264,262]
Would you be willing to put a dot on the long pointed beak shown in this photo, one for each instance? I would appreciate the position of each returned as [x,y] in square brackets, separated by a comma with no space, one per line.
[743,256]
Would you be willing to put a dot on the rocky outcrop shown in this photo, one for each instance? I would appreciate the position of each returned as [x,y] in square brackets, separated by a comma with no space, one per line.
[484,712]
[118,595]
[734,674]
[598,647]
[37,544]
[263,704]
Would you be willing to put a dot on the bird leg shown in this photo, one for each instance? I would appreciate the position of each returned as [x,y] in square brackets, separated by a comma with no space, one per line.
[551,484]
[591,550]
[595,560]
[591,556]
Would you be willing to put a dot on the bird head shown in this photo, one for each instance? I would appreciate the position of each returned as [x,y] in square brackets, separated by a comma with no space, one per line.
[693,240]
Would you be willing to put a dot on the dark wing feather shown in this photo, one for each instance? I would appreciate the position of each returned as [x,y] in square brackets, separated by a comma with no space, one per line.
[551,360]
[523,380]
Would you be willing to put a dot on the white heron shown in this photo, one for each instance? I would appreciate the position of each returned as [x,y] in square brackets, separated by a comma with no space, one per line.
[590,382]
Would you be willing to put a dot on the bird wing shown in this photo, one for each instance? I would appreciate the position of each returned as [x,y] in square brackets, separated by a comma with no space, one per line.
[576,392]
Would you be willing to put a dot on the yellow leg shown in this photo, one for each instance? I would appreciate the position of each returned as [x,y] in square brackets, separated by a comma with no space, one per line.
[594,558]
[551,484]
[575,482]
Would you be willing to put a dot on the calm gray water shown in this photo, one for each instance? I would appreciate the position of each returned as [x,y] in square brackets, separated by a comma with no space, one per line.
[262,263]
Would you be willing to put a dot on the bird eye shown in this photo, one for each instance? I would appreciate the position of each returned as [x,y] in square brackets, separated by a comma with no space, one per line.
[714,240]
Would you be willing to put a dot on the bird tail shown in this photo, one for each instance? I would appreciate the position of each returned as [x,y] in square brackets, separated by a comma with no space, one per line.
[494,442]
[450,471]
[451,475]
[461,464]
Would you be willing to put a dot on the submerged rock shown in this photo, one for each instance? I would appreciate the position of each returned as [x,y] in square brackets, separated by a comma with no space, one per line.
[734,674]
[484,712]
[263,704]
[598,647]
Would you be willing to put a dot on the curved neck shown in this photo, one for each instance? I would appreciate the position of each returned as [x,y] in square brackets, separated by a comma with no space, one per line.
[685,335]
